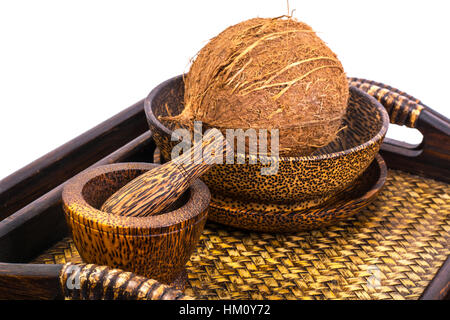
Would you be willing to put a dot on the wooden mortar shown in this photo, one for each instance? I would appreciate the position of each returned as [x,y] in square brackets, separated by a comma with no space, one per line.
[156,247]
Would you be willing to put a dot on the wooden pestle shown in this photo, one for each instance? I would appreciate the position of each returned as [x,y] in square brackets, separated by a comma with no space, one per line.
[155,190]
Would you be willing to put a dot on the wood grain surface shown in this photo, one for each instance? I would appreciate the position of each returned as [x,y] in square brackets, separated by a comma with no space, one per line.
[154,191]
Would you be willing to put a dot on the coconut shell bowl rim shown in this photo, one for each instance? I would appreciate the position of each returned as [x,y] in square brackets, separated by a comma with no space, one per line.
[384,117]
[74,202]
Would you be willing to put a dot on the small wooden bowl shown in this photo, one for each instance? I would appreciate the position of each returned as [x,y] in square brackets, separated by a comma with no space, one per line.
[311,179]
[156,247]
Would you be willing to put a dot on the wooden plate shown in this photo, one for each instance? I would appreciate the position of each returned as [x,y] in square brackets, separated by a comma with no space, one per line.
[293,218]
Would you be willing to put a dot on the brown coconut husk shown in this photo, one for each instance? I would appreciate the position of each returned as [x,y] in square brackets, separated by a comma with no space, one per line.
[268,73]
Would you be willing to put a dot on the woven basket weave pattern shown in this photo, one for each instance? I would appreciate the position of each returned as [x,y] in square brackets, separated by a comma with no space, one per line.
[390,250]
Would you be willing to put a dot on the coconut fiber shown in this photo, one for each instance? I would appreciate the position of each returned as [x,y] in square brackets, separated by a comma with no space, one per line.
[268,73]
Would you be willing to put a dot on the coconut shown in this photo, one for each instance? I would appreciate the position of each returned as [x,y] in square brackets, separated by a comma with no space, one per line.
[268,73]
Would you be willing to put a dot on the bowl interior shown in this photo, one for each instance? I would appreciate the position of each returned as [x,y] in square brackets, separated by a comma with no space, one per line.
[362,122]
[101,187]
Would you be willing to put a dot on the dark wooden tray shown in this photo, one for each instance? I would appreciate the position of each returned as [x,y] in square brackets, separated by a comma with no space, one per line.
[30,199]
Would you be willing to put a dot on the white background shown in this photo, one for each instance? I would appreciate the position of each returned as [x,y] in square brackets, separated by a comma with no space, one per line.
[66,66]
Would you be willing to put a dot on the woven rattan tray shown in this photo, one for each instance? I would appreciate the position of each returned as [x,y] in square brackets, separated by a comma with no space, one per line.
[396,248]
[390,250]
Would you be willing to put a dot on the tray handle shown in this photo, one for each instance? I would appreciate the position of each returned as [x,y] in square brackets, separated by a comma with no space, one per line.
[432,156]
[403,109]
[93,282]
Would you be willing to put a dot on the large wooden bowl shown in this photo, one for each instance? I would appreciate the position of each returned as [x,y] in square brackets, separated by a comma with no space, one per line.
[308,180]
[156,247]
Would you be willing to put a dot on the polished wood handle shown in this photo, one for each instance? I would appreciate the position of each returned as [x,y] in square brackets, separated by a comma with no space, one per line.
[402,108]
[429,158]
[154,191]
[93,282]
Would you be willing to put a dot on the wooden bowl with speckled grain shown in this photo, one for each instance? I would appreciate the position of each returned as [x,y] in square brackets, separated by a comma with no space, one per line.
[306,181]
[156,247]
